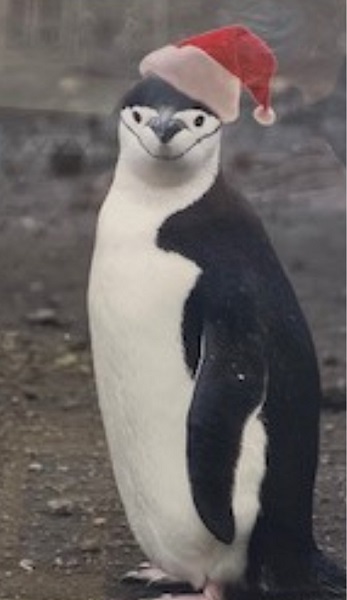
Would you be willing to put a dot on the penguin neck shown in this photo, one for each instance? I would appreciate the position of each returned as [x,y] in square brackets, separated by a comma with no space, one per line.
[153,183]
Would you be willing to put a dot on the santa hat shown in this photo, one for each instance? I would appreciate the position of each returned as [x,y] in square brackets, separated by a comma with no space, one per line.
[212,67]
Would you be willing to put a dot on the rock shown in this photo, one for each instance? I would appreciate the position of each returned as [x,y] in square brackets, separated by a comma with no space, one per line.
[99,521]
[61,507]
[44,316]
[27,564]
[334,398]
[67,159]
[62,468]
[35,467]
[70,404]
[58,562]
[90,545]
[72,562]
[31,225]
[79,344]
[30,393]
[69,359]
[36,287]
[330,360]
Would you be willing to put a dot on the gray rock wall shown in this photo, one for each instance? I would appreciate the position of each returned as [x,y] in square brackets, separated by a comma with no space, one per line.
[51,40]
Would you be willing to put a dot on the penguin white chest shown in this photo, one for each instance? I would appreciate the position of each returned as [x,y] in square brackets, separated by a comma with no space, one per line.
[136,302]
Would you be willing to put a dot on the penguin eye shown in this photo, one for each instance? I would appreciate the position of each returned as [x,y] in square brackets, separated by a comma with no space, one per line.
[199,120]
[136,116]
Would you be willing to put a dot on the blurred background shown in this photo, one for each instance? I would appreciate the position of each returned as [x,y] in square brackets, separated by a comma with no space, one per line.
[64,65]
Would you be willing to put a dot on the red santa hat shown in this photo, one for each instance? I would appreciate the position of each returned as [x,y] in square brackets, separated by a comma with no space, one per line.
[213,66]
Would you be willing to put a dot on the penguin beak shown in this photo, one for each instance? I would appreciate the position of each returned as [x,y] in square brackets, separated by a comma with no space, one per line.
[165,127]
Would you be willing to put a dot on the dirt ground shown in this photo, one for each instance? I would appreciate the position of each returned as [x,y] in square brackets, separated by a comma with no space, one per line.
[63,534]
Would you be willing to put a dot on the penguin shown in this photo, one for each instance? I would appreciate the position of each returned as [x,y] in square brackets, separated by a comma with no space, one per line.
[205,369]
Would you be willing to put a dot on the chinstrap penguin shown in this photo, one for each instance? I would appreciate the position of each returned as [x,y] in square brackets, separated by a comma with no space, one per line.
[206,373]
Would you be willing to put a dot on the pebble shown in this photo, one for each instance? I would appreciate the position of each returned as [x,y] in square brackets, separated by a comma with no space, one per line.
[27,564]
[35,467]
[69,359]
[44,316]
[329,426]
[62,507]
[330,360]
[67,159]
[30,414]
[30,393]
[62,468]
[99,521]
[29,451]
[341,383]
[70,405]
[72,562]
[30,224]
[91,546]
[58,561]
[36,286]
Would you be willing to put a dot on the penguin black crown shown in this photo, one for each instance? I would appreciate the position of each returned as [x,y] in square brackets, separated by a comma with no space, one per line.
[205,369]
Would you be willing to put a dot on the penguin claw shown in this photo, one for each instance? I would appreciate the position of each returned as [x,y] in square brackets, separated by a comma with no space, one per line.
[210,592]
[146,573]
[197,596]
[154,577]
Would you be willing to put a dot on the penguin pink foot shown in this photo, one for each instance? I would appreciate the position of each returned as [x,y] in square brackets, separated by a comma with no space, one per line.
[210,592]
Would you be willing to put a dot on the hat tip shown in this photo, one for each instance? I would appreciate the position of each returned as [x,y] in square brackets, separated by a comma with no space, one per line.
[264,116]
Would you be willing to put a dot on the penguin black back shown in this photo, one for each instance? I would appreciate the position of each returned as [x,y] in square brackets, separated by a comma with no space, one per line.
[223,236]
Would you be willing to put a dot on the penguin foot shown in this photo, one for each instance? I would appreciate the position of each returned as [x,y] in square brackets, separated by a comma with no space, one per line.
[145,573]
[210,592]
[153,577]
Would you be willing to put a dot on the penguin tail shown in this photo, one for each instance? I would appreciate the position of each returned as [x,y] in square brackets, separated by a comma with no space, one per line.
[328,578]
[315,577]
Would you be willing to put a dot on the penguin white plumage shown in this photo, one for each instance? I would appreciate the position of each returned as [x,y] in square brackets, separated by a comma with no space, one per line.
[205,370]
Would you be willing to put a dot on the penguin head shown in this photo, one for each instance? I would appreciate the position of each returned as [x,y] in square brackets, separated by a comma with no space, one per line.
[162,128]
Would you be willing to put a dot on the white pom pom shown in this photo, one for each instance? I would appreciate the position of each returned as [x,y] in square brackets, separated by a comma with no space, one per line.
[264,116]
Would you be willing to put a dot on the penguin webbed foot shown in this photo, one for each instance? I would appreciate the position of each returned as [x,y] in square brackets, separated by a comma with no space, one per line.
[154,578]
[210,592]
[171,589]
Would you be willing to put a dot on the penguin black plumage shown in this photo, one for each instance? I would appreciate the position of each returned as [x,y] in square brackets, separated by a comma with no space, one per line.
[205,369]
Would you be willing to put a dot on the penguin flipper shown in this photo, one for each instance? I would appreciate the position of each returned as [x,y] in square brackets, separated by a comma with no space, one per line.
[230,385]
